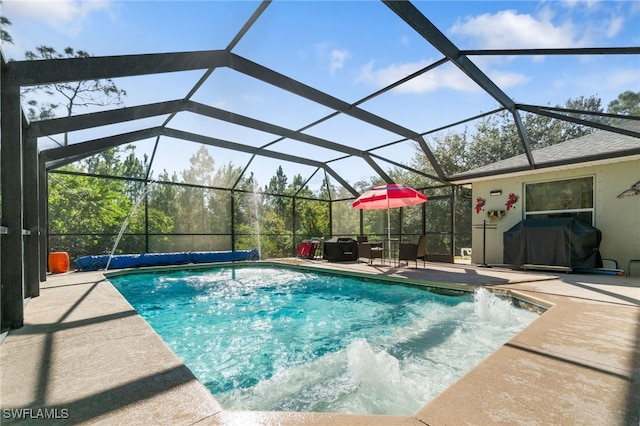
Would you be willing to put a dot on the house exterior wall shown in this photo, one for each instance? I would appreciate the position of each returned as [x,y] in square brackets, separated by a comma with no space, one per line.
[618,219]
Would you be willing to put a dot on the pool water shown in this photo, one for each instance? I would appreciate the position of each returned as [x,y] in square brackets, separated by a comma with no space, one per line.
[267,338]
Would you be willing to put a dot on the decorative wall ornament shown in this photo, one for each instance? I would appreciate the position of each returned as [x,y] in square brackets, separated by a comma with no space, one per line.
[634,190]
[496,215]
[513,198]
[479,204]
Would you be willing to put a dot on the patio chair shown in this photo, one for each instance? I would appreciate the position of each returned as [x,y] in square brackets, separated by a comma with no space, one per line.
[363,239]
[370,251]
[412,252]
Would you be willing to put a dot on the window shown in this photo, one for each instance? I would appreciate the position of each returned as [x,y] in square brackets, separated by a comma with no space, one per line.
[562,198]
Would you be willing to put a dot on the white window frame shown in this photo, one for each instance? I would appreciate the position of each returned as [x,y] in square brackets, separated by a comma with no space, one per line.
[591,210]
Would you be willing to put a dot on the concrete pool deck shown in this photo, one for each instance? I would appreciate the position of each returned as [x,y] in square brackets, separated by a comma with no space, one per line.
[84,356]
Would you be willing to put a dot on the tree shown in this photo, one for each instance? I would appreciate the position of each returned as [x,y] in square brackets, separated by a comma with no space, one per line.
[248,207]
[277,215]
[163,200]
[496,138]
[75,94]
[5,37]
[220,200]
[85,205]
[164,195]
[571,130]
[193,215]
[277,185]
[311,217]
[88,211]
[627,103]
[451,152]
[202,168]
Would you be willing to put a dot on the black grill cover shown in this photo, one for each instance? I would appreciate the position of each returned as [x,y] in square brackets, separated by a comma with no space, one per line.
[566,241]
[340,250]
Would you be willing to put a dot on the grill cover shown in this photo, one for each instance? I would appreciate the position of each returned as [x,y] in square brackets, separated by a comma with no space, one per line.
[566,241]
[340,250]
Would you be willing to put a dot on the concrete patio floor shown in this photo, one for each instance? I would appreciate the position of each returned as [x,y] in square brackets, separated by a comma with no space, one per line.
[84,356]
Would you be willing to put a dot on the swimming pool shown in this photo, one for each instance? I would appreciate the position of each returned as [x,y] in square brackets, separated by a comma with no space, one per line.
[273,338]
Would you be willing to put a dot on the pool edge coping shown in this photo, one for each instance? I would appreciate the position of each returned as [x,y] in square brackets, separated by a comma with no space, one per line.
[528,300]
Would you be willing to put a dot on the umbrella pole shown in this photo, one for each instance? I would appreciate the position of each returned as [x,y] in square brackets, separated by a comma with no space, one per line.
[388,231]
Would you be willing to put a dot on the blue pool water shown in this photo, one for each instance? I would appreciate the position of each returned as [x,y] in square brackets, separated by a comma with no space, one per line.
[267,338]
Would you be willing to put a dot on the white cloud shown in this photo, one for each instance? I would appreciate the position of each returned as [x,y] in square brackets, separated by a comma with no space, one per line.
[614,26]
[321,48]
[623,78]
[221,103]
[560,83]
[573,4]
[508,29]
[439,78]
[337,59]
[66,16]
[443,77]
[508,79]
[599,81]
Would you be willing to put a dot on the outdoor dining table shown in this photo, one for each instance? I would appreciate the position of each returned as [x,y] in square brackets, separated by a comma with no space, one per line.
[389,248]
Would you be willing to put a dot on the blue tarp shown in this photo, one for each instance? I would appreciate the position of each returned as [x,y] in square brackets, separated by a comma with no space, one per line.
[121,261]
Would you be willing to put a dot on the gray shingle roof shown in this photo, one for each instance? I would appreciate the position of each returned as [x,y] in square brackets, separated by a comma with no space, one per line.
[593,147]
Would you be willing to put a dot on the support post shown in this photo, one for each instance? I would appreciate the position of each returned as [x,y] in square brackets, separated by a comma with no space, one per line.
[12,272]
[484,243]
[295,226]
[454,227]
[43,213]
[233,220]
[146,216]
[31,219]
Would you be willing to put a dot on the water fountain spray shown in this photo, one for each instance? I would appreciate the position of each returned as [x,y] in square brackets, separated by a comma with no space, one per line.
[123,228]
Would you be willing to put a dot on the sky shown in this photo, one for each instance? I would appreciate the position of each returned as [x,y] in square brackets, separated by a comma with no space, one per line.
[346,49]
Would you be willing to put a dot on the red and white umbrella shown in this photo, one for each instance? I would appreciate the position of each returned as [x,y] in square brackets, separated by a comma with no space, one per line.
[389,196]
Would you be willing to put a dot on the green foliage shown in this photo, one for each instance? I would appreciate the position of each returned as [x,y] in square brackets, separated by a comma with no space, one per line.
[277,185]
[276,239]
[5,36]
[82,204]
[99,206]
[345,220]
[627,103]
[202,168]
[68,95]
[495,137]
[312,219]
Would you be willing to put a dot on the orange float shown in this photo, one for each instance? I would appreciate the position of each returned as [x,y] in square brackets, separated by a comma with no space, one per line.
[58,262]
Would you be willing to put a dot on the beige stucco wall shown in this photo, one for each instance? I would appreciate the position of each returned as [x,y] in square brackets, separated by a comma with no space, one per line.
[618,219]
